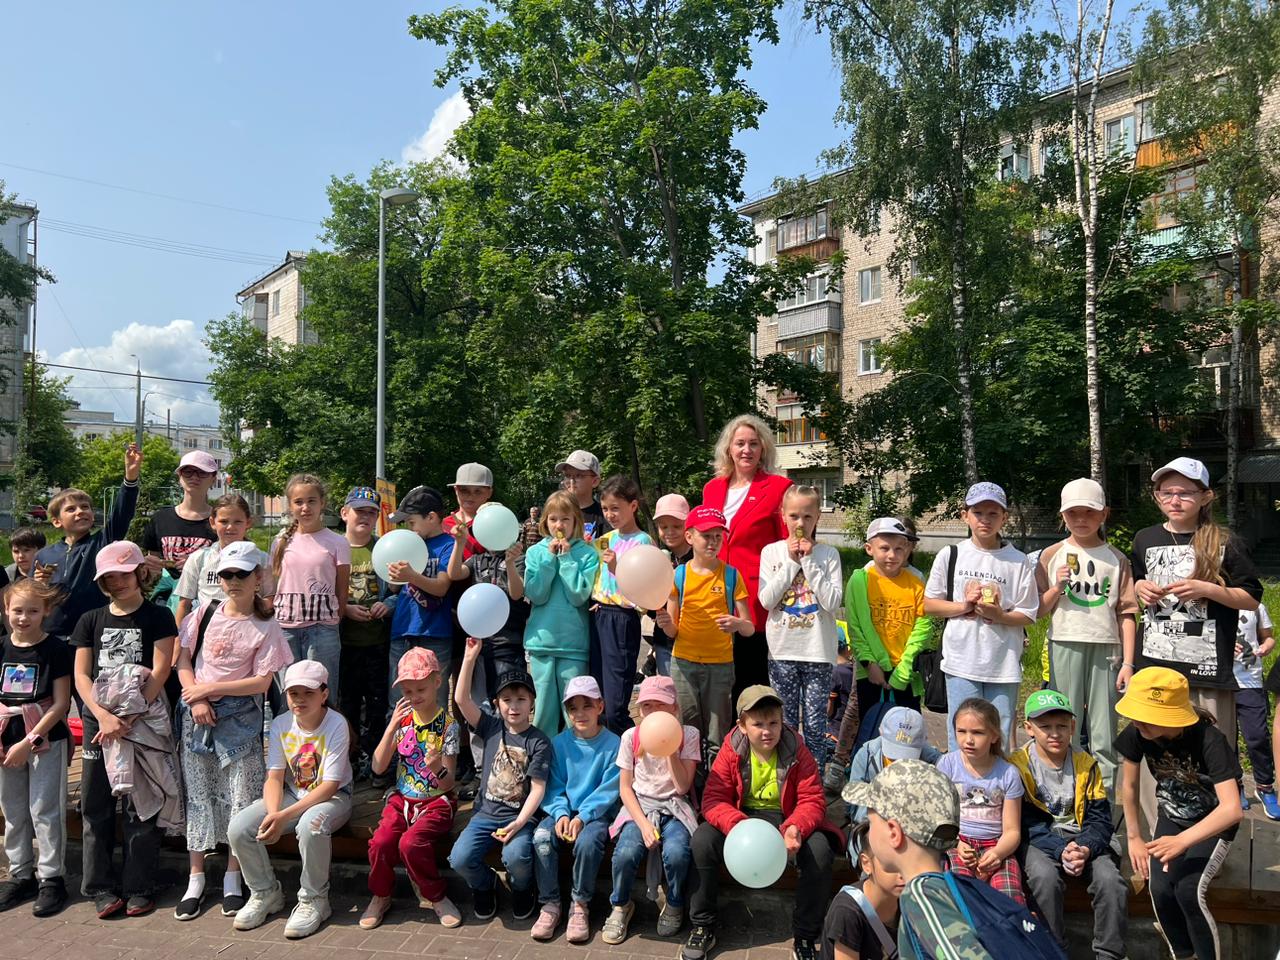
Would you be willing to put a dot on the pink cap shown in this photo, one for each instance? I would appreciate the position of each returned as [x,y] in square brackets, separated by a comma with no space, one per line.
[657,689]
[706,518]
[672,505]
[306,673]
[202,461]
[417,663]
[582,687]
[119,557]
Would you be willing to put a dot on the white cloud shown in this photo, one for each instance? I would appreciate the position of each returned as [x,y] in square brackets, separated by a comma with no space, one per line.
[173,350]
[448,117]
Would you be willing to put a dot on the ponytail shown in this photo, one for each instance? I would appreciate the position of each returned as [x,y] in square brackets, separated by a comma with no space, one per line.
[1208,543]
[291,525]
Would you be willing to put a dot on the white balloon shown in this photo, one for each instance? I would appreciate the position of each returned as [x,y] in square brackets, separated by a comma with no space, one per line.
[483,610]
[496,527]
[396,546]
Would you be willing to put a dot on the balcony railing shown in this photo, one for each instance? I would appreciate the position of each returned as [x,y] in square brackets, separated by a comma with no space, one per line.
[825,316]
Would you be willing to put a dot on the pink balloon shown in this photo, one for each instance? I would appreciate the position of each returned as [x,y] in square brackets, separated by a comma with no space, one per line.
[645,577]
[660,734]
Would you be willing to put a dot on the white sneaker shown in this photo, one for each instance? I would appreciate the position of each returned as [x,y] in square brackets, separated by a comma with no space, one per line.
[259,906]
[307,917]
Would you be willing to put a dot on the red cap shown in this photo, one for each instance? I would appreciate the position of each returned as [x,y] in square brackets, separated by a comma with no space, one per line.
[706,518]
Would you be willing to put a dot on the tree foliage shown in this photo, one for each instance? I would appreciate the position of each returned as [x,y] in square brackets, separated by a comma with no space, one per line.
[102,468]
[48,454]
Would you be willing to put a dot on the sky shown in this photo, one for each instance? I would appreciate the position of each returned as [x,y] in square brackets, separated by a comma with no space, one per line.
[217,128]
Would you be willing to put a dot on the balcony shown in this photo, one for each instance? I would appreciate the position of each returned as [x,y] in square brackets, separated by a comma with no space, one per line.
[804,456]
[825,316]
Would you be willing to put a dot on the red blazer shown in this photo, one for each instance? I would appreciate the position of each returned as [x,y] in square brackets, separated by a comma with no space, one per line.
[757,524]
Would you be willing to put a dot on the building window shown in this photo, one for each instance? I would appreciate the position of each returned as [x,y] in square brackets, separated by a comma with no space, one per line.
[275,303]
[814,290]
[1015,163]
[869,356]
[821,350]
[215,444]
[796,426]
[1177,185]
[1146,121]
[869,285]
[770,246]
[801,230]
[1118,135]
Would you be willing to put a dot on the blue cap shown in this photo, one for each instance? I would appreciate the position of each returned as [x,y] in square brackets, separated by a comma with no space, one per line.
[902,733]
[986,490]
[362,497]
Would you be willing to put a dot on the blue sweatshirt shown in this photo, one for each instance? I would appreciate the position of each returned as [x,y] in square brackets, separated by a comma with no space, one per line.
[584,777]
[558,588]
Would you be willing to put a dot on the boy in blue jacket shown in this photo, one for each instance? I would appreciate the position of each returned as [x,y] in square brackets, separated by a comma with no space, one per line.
[902,737]
[1066,821]
[582,798]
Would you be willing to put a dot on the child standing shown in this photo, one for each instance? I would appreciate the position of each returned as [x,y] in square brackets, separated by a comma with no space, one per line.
[312,566]
[35,692]
[1068,825]
[228,655]
[656,815]
[25,543]
[173,534]
[231,519]
[708,606]
[1197,776]
[986,590]
[862,921]
[580,803]
[581,473]
[990,800]
[1255,640]
[513,781]
[307,791]
[1088,590]
[670,514]
[800,588]
[127,632]
[559,574]
[420,808]
[615,621]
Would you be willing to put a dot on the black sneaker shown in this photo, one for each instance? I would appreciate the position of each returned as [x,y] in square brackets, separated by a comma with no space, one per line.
[484,904]
[51,898]
[187,909]
[231,903]
[523,903]
[804,950]
[14,892]
[702,940]
[139,906]
[108,904]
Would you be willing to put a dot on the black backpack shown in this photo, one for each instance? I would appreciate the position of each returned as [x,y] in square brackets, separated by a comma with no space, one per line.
[928,663]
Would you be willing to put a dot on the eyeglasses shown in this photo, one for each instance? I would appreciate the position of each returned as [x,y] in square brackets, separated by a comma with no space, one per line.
[193,473]
[236,574]
[1168,496]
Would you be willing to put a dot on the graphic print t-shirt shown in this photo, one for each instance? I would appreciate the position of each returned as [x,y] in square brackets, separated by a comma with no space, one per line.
[413,741]
[1195,637]
[1099,591]
[606,589]
[982,798]
[362,591]
[896,604]
[1248,665]
[419,613]
[175,538]
[310,757]
[118,640]
[199,581]
[305,594]
[512,761]
[27,675]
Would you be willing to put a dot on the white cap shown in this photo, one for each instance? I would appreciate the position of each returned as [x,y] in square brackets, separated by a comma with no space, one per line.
[889,526]
[583,686]
[1083,493]
[983,491]
[581,460]
[241,555]
[1189,468]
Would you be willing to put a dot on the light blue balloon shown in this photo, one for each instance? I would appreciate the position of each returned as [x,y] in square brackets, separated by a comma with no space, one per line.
[483,610]
[400,545]
[495,527]
[755,853]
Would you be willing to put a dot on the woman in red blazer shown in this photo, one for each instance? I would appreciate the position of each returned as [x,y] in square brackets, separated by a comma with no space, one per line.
[750,495]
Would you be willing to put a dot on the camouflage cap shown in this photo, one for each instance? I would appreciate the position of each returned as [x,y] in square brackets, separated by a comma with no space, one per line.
[918,796]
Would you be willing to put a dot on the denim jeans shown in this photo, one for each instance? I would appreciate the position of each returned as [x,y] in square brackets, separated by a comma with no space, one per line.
[1001,695]
[140,844]
[662,661]
[442,647]
[314,831]
[476,840]
[321,642]
[629,852]
[588,852]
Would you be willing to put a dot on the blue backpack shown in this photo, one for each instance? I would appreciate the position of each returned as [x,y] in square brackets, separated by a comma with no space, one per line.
[730,584]
[1004,928]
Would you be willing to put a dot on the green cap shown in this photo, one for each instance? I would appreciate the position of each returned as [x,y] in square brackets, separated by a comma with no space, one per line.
[1047,701]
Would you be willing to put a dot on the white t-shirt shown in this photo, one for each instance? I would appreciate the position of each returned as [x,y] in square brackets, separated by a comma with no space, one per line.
[971,648]
[1098,593]
[1247,666]
[733,501]
[652,774]
[199,581]
[310,757]
[801,600]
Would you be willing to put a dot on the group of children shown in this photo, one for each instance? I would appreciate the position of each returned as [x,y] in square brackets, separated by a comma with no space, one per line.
[357,670]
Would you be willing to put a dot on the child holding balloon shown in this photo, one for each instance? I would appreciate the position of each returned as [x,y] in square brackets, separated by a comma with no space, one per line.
[657,761]
[559,574]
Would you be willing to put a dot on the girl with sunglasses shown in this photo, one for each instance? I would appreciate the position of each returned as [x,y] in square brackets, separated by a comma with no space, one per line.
[230,651]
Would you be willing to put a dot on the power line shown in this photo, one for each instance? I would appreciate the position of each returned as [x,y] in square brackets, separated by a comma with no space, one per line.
[154,393]
[159,244]
[123,373]
[75,333]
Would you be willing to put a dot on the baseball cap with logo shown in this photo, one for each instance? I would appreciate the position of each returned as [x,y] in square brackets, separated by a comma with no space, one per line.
[419,501]
[119,557]
[202,461]
[1189,468]
[473,475]
[1083,493]
[672,505]
[306,673]
[581,460]
[889,526]
[917,796]
[1047,701]
[362,497]
[902,734]
[985,490]
[241,555]
[515,678]
[705,518]
[416,663]
[1159,696]
[582,687]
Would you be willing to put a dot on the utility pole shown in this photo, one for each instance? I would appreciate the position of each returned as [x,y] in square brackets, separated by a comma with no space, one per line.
[138,415]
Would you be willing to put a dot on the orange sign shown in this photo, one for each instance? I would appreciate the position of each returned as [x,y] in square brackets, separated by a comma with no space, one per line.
[386,504]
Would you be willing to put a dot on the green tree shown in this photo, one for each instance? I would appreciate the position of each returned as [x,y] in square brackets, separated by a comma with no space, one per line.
[102,468]
[48,454]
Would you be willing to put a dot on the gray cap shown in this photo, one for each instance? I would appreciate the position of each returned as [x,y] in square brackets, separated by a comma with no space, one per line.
[473,475]
[581,460]
[918,796]
[986,490]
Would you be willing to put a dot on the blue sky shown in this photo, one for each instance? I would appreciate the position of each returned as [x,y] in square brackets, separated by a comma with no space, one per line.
[252,106]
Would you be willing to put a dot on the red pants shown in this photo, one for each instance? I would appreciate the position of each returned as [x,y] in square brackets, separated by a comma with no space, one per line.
[407,833]
[1007,878]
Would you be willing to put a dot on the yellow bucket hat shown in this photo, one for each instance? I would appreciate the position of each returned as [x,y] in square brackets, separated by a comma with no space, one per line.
[1159,696]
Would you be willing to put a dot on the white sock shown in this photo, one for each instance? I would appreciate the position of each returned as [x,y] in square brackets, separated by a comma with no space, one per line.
[195,887]
[231,883]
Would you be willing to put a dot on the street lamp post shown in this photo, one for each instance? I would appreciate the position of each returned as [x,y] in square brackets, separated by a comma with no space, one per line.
[393,196]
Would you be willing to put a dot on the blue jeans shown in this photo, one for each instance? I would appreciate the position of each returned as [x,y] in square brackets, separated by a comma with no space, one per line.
[629,852]
[320,642]
[662,661]
[442,647]
[588,851]
[476,840]
[1002,695]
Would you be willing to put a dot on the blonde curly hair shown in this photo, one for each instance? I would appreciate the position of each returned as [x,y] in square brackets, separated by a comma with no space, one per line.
[722,462]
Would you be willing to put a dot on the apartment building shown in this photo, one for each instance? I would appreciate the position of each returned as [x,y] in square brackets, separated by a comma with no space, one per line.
[275,301]
[841,328]
[17,239]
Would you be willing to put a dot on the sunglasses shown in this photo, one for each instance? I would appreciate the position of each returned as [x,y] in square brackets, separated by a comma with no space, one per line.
[192,472]
[236,574]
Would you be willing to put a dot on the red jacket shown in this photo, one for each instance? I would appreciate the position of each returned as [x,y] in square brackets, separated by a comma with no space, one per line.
[803,803]
[757,524]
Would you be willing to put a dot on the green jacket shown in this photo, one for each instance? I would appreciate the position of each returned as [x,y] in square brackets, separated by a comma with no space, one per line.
[868,646]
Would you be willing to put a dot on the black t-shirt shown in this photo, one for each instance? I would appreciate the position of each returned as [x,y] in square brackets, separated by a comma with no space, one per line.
[1197,637]
[1186,770]
[594,525]
[174,537]
[119,640]
[27,675]
[848,926]
[489,567]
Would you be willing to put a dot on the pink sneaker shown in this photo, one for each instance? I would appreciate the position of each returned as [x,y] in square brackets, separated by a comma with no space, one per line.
[544,928]
[579,928]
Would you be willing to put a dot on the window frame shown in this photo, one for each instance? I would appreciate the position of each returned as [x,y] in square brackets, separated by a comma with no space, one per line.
[864,281]
[871,346]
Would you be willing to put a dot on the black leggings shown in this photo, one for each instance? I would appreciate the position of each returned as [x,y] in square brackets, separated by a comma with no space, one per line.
[1178,895]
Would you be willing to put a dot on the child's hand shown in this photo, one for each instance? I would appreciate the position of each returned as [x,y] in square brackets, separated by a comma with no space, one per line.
[1139,857]
[513,553]
[664,621]
[17,755]
[1266,646]
[269,831]
[358,613]
[649,834]
[988,864]
[203,714]
[1063,578]
[875,673]
[557,547]
[472,652]
[609,559]
[972,592]
[44,572]
[1123,677]
[399,571]
[505,835]
[132,462]
[1190,589]
[154,564]
[402,710]
[111,727]
[791,839]
[460,530]
[379,610]
[195,693]
[1167,848]
[1148,592]
[968,856]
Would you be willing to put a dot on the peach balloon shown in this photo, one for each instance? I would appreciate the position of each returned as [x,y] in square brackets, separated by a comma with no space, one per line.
[660,734]
[645,577]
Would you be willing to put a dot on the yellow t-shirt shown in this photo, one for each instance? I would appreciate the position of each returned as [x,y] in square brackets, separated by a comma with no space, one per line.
[699,639]
[763,793]
[895,604]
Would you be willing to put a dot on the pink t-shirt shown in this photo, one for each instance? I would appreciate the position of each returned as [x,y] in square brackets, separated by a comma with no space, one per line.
[652,775]
[306,591]
[236,648]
